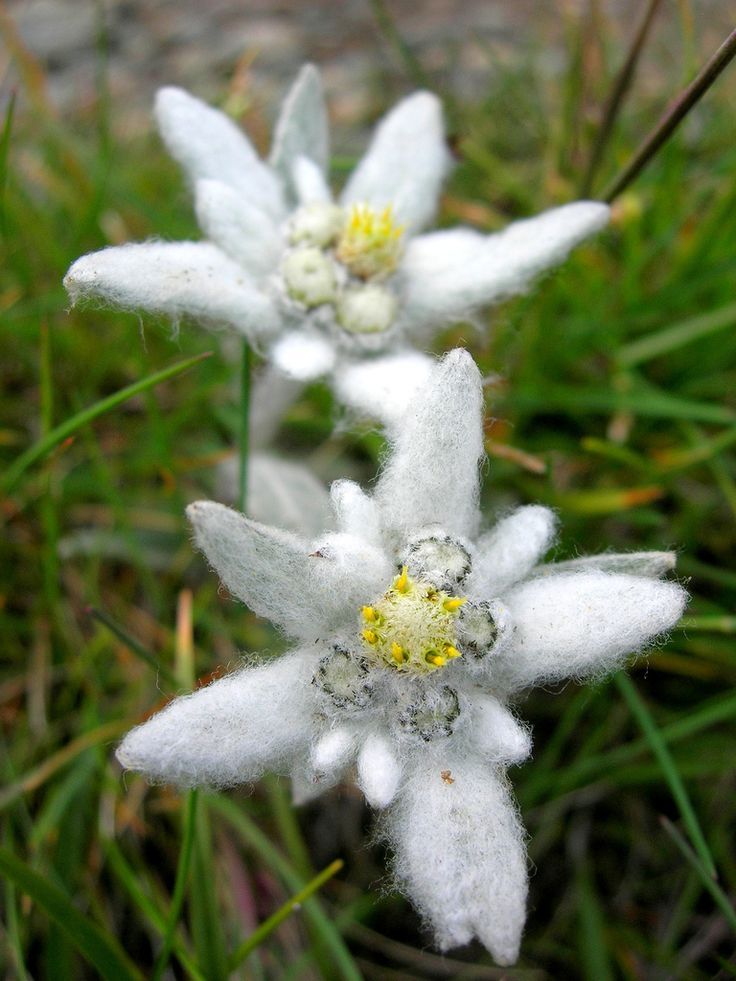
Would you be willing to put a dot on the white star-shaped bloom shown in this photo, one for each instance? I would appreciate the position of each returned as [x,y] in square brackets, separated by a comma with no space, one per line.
[415,633]
[344,288]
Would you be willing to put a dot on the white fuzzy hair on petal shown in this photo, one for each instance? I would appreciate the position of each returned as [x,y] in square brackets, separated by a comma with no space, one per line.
[442,282]
[176,279]
[302,129]
[405,164]
[459,851]
[432,474]
[303,356]
[355,512]
[652,564]
[383,387]
[242,230]
[379,770]
[208,145]
[232,730]
[579,624]
[511,549]
[310,590]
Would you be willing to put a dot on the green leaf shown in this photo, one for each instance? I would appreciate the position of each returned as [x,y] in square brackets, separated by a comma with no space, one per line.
[47,443]
[101,950]
[664,341]
[658,746]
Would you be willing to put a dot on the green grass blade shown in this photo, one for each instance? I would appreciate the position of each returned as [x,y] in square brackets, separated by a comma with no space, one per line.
[4,152]
[592,944]
[205,918]
[133,645]
[269,925]
[677,336]
[721,899]
[180,884]
[322,927]
[101,950]
[36,777]
[57,435]
[131,882]
[658,746]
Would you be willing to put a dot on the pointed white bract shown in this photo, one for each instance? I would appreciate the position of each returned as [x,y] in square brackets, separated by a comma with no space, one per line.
[459,852]
[230,731]
[433,474]
[420,634]
[354,276]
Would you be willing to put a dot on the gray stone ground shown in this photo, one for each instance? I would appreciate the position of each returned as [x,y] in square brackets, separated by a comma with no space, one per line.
[254,46]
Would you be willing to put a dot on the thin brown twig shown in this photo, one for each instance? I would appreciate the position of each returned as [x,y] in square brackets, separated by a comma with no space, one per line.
[620,89]
[673,117]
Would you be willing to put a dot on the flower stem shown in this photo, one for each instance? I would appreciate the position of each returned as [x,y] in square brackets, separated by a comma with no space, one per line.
[673,117]
[620,88]
[244,428]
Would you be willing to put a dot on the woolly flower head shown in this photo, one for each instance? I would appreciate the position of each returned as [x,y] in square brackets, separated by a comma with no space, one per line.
[414,633]
[345,288]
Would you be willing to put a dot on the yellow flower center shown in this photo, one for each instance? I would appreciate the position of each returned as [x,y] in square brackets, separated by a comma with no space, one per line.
[412,627]
[370,242]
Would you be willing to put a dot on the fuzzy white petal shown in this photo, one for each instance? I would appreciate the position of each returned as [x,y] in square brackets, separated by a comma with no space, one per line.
[379,770]
[432,475]
[208,145]
[280,493]
[654,564]
[310,184]
[448,278]
[303,356]
[302,129]
[381,388]
[309,591]
[232,730]
[459,852]
[334,751]
[241,229]
[510,551]
[573,625]
[355,512]
[406,163]
[176,279]
[496,733]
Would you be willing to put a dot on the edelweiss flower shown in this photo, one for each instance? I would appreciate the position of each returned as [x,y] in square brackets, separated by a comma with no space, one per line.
[323,288]
[414,634]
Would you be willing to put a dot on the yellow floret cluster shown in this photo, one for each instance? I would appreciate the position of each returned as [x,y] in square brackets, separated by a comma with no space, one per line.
[412,628]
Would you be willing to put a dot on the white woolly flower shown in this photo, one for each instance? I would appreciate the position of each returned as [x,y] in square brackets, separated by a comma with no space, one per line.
[414,632]
[344,288]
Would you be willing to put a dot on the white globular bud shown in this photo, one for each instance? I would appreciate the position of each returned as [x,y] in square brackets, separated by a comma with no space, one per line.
[309,276]
[316,224]
[366,309]
[345,679]
[438,558]
[477,630]
[429,714]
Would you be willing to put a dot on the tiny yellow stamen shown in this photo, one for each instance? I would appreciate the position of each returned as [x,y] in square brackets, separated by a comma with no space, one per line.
[397,653]
[370,242]
[369,614]
[451,652]
[402,581]
[370,637]
[437,659]
[454,603]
